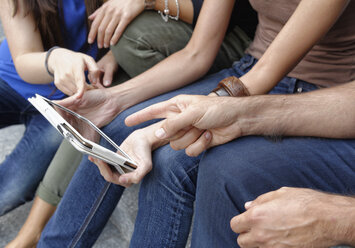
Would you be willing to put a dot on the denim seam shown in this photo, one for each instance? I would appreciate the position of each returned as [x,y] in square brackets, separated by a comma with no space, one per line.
[177,211]
[90,216]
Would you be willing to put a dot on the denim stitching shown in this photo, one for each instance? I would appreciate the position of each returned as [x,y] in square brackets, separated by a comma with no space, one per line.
[90,216]
[178,210]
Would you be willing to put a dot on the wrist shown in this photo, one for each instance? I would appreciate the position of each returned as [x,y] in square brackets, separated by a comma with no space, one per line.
[48,63]
[231,86]
[340,219]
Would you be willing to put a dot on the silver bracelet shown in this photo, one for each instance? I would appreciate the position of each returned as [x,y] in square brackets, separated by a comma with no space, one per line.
[165,14]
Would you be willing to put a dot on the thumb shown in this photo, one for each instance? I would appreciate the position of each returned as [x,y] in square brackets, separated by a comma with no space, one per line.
[67,102]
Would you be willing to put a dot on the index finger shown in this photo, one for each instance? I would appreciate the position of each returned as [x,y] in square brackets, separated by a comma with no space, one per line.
[93,69]
[155,111]
[80,84]
[171,126]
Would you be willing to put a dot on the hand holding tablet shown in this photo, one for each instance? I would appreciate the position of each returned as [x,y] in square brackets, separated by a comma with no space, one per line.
[83,134]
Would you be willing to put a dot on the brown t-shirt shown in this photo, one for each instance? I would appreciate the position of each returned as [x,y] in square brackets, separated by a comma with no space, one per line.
[330,62]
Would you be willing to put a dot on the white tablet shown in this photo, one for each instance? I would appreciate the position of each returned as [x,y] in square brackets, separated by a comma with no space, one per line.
[83,134]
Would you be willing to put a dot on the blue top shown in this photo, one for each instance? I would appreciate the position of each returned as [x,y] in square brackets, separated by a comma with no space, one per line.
[75,38]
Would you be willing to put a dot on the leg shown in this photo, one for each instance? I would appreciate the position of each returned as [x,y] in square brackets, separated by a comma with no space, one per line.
[245,168]
[49,193]
[24,168]
[166,199]
[30,232]
[89,200]
[59,173]
[148,40]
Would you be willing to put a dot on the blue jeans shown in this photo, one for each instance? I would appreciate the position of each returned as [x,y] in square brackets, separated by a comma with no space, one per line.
[89,200]
[24,168]
[167,193]
[229,175]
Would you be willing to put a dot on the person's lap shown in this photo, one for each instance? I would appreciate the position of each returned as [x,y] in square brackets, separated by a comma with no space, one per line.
[237,172]
[165,208]
[89,198]
[118,131]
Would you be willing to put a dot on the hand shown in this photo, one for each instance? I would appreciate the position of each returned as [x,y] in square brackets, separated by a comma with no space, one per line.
[111,19]
[138,145]
[97,105]
[107,66]
[187,115]
[288,217]
[69,71]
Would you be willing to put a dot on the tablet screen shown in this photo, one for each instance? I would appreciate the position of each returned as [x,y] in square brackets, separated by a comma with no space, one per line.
[85,127]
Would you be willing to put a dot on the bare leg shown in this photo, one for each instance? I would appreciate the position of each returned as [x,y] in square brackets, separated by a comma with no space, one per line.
[30,232]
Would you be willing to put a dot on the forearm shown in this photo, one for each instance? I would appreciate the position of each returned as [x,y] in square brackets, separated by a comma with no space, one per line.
[308,24]
[30,67]
[340,219]
[174,72]
[186,12]
[322,113]
[188,64]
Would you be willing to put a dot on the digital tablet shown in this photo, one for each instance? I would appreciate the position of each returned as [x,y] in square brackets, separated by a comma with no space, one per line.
[83,134]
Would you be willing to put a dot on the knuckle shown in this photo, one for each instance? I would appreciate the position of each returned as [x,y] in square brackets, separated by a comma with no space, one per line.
[101,29]
[283,189]
[174,146]
[255,214]
[67,75]
[260,237]
[108,32]
[190,153]
[241,241]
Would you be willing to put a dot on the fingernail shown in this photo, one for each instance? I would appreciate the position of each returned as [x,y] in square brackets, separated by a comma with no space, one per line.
[89,40]
[106,45]
[160,133]
[99,46]
[247,204]
[107,83]
[207,135]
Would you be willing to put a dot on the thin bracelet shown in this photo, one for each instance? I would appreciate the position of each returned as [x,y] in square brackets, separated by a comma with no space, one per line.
[165,14]
[46,60]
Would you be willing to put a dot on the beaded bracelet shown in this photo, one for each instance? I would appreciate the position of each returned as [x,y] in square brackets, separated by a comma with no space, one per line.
[47,57]
[165,14]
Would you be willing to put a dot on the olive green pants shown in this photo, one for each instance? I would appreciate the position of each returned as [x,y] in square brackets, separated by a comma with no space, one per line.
[145,42]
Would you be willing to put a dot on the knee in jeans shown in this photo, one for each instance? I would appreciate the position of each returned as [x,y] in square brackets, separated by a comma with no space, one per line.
[226,176]
[173,170]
